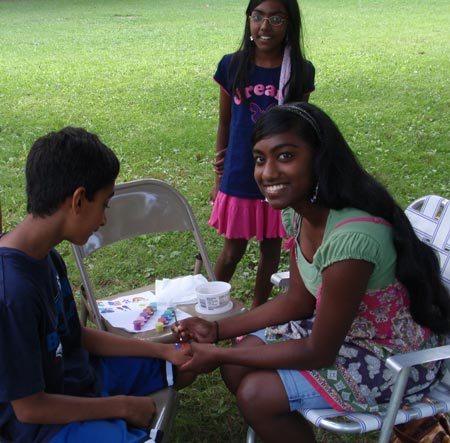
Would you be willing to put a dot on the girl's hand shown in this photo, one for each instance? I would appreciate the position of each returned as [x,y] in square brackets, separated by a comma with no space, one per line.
[213,194]
[204,359]
[195,329]
[219,161]
[179,353]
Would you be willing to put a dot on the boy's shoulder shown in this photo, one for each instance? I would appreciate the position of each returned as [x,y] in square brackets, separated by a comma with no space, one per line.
[58,262]
[21,276]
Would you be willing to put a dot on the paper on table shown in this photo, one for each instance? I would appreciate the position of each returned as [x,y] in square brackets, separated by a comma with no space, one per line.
[122,311]
[179,290]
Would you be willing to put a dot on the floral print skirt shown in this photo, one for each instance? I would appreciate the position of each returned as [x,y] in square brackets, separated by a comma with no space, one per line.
[359,379]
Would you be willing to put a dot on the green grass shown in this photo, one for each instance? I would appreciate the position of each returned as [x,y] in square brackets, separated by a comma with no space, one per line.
[138,73]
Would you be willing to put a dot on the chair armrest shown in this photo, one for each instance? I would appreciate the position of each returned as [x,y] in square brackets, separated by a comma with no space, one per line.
[280,279]
[401,364]
[401,361]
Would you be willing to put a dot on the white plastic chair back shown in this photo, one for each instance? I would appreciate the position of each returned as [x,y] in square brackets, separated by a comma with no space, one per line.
[430,218]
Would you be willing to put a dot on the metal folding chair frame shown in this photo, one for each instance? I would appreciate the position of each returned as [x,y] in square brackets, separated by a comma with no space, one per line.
[141,207]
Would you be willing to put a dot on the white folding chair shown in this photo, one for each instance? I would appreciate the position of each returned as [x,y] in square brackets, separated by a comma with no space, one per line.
[430,218]
[138,208]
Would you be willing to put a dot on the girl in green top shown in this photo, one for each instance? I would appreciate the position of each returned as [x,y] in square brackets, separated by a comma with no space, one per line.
[362,287]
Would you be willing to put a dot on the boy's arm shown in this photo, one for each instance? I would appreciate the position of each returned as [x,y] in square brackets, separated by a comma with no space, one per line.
[106,344]
[43,408]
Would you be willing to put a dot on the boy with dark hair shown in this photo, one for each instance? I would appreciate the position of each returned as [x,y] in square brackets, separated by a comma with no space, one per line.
[60,381]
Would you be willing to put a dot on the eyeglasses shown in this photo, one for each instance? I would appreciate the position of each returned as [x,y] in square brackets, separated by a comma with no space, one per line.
[275,20]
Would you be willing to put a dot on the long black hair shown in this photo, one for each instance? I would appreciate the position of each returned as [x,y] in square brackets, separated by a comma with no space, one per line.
[343,182]
[243,59]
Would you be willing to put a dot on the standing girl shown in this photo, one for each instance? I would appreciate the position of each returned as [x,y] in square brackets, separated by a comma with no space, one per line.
[269,68]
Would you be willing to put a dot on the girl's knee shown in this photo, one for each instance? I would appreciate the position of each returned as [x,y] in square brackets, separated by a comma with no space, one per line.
[251,396]
[247,396]
[261,394]
[233,375]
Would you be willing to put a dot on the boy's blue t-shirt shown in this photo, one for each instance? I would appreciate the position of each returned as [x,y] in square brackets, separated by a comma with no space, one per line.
[40,340]
[262,91]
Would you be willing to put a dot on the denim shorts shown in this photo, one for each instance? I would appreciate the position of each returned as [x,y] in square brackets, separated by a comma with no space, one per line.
[301,394]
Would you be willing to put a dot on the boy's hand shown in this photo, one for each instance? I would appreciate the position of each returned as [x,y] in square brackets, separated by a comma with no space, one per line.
[140,411]
[179,353]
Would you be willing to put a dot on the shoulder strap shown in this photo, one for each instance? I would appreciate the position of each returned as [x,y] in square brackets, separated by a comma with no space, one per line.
[363,219]
[290,242]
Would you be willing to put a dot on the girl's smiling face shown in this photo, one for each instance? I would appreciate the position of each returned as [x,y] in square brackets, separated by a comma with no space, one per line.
[267,37]
[284,170]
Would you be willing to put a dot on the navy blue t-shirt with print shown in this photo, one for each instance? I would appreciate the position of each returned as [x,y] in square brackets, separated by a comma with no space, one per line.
[262,91]
[40,340]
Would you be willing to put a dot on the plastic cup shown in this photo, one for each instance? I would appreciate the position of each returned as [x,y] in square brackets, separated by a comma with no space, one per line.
[213,298]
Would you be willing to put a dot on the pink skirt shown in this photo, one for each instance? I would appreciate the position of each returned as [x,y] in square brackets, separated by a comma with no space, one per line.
[237,217]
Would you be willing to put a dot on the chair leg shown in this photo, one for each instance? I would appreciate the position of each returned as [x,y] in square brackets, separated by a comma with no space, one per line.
[166,405]
[84,313]
[394,405]
[198,263]
[251,436]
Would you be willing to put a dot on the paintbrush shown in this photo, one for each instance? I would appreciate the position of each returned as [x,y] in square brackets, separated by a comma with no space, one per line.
[176,320]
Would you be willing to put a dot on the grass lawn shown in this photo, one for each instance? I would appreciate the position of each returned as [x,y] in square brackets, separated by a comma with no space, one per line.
[138,73]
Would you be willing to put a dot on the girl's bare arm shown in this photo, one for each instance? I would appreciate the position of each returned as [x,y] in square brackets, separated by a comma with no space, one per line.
[296,303]
[223,132]
[344,285]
